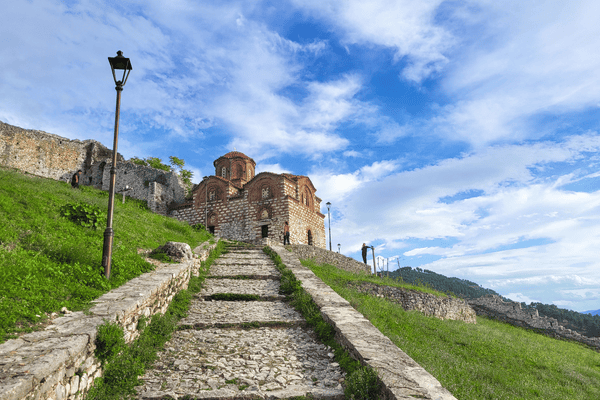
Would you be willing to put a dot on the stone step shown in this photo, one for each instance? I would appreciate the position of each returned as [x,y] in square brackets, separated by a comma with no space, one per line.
[265,288]
[255,271]
[243,260]
[243,256]
[229,363]
[207,313]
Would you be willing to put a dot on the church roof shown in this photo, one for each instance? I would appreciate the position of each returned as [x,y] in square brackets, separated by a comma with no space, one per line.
[234,154]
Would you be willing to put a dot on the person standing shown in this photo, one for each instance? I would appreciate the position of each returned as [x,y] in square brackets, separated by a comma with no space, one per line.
[364,252]
[286,233]
[76,180]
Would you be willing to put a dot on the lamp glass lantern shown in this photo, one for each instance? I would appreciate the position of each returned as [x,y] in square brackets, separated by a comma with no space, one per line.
[120,63]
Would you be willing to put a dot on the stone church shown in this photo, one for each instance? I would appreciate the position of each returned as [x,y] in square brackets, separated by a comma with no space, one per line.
[237,204]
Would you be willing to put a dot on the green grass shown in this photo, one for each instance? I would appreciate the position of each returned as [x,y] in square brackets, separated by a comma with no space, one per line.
[123,364]
[47,261]
[487,360]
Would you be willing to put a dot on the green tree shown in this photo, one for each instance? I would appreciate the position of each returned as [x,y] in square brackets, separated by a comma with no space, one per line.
[176,166]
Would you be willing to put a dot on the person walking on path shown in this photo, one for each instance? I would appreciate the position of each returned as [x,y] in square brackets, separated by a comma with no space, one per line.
[76,179]
[364,252]
[286,233]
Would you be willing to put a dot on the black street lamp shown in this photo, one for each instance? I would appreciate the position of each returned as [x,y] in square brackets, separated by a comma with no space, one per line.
[121,63]
[328,204]
[339,246]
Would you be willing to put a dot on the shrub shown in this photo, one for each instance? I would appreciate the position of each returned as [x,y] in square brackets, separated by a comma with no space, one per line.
[110,341]
[84,214]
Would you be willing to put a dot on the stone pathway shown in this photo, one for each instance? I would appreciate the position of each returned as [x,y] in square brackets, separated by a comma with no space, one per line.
[243,349]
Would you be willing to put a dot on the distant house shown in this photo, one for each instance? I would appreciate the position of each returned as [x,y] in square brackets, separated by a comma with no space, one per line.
[239,205]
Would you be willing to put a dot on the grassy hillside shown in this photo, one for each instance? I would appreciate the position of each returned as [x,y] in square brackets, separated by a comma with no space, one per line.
[583,323]
[487,360]
[49,260]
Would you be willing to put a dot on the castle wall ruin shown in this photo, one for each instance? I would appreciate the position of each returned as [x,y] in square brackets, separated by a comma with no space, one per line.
[52,156]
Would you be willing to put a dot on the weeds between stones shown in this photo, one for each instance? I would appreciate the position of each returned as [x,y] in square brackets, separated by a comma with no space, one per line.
[123,364]
[360,381]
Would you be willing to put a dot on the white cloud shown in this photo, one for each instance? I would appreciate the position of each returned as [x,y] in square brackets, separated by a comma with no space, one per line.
[523,61]
[408,27]
[275,168]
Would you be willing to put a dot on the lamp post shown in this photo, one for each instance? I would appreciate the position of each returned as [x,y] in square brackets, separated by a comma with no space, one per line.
[328,204]
[116,63]
[374,266]
[339,246]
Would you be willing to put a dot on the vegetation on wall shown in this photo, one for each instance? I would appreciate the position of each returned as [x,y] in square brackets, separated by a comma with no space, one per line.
[176,166]
[51,255]
[361,381]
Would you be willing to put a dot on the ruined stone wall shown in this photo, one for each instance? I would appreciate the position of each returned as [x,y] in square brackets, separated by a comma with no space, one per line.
[49,156]
[52,156]
[159,188]
[494,307]
[323,256]
[429,304]
[59,362]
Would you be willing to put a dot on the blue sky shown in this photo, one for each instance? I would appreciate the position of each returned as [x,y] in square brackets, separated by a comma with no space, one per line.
[459,136]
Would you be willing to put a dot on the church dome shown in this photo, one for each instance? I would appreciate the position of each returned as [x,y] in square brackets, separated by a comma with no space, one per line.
[236,167]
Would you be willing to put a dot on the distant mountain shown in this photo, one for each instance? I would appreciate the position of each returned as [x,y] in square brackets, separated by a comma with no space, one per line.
[460,287]
[580,322]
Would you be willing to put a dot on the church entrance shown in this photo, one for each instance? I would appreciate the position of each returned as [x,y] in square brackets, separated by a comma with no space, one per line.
[265,231]
[310,240]
[211,229]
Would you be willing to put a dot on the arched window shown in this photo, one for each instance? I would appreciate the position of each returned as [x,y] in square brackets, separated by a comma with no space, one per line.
[266,192]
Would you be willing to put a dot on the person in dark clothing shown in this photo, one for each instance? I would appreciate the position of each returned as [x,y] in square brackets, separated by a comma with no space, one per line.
[286,233]
[76,179]
[364,252]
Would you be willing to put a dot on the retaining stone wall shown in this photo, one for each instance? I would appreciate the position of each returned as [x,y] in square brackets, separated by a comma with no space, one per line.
[401,377]
[494,307]
[428,304]
[323,256]
[58,363]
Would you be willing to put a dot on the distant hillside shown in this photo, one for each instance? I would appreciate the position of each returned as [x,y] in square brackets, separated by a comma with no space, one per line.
[460,287]
[588,325]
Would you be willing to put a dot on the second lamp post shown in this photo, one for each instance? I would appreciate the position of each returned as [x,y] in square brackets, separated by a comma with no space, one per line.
[328,204]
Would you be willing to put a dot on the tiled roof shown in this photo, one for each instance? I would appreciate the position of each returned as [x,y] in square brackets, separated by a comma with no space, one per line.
[233,154]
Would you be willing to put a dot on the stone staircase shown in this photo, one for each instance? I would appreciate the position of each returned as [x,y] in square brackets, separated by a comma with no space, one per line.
[258,349]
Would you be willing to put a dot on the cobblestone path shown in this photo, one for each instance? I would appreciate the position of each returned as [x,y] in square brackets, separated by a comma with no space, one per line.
[243,349]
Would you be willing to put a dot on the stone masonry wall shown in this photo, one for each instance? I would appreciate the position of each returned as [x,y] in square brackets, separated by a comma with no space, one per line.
[58,363]
[322,256]
[494,307]
[241,216]
[52,156]
[47,155]
[429,304]
[401,377]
